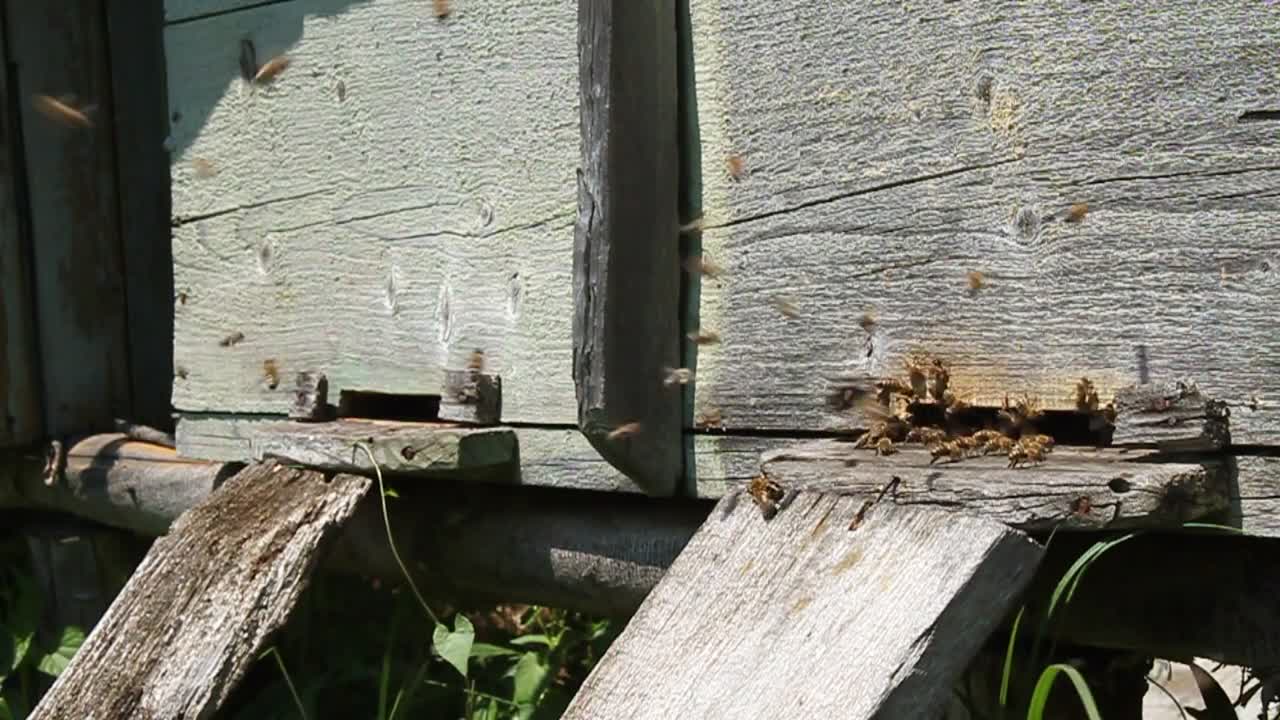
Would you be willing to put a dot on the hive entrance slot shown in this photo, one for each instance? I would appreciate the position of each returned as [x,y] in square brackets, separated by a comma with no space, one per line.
[1066,427]
[388,406]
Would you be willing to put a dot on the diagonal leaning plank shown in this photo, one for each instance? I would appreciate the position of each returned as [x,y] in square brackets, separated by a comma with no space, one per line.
[199,608]
[800,616]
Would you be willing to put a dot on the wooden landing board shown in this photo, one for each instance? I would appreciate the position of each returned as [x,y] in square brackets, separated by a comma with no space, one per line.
[801,617]
[200,607]
[403,194]
[1072,489]
[547,457]
[888,150]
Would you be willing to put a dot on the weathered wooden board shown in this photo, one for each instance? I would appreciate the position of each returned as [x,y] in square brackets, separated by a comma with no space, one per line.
[1255,499]
[1072,489]
[723,463]
[402,194]
[184,10]
[59,48]
[20,413]
[626,259]
[201,605]
[876,174]
[802,617]
[547,457]
[136,45]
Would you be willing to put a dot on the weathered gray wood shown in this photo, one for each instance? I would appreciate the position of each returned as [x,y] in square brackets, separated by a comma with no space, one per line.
[60,48]
[1255,497]
[471,397]
[1175,416]
[310,397]
[20,412]
[206,598]
[548,457]
[182,10]
[72,592]
[723,463]
[135,41]
[877,622]
[949,139]
[375,213]
[1072,489]
[626,258]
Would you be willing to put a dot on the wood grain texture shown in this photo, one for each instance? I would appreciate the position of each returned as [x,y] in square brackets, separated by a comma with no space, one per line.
[1174,416]
[201,605]
[401,195]
[135,40]
[21,421]
[1255,496]
[1072,489]
[185,10]
[547,457]
[876,174]
[873,623]
[60,49]
[626,258]
[723,463]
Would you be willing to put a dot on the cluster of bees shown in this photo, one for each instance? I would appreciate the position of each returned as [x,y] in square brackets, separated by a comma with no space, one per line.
[890,407]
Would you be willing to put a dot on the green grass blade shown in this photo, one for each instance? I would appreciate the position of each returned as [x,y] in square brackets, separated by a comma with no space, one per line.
[1040,696]
[1008,664]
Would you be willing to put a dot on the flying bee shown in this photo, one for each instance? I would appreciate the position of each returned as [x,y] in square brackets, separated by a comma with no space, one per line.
[271,373]
[884,446]
[766,494]
[1076,213]
[951,450]
[441,8]
[1086,396]
[703,265]
[867,321]
[786,306]
[882,425]
[271,69]
[927,435]
[704,337]
[893,386]
[849,391]
[694,225]
[709,418]
[475,361]
[61,111]
[681,376]
[977,281]
[736,166]
[624,431]
[1081,506]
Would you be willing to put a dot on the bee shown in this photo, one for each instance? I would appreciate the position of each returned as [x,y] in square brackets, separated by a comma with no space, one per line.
[1075,213]
[917,377]
[624,431]
[677,375]
[1043,441]
[786,307]
[999,444]
[271,371]
[1021,413]
[968,443]
[709,418]
[1086,396]
[180,372]
[441,8]
[1024,452]
[692,226]
[341,89]
[867,321]
[704,337]
[951,450]
[736,166]
[939,378]
[1082,505]
[927,435]
[766,494]
[983,437]
[703,265]
[475,361]
[893,386]
[884,446]
[61,111]
[977,281]
[271,69]
[882,425]
[203,168]
[231,339]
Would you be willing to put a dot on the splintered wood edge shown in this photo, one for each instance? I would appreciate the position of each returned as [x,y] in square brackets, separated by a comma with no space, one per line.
[1072,489]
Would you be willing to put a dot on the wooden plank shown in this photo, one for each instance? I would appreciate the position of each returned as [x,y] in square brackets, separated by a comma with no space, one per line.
[71,181]
[401,195]
[1072,489]
[626,263]
[1255,496]
[139,111]
[20,393]
[874,623]
[548,457]
[209,594]
[723,463]
[183,10]
[955,139]
[1175,416]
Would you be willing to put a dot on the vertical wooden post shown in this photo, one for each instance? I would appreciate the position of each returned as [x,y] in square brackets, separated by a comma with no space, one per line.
[20,418]
[626,254]
[59,51]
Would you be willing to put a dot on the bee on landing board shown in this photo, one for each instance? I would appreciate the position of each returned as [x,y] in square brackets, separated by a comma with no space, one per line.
[766,494]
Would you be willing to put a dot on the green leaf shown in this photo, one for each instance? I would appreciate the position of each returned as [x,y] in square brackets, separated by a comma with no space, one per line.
[23,616]
[485,651]
[5,712]
[532,640]
[1216,703]
[455,647]
[391,493]
[530,674]
[55,662]
[1040,696]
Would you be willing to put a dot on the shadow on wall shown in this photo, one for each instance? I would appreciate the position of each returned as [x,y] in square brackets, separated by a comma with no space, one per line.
[203,48]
